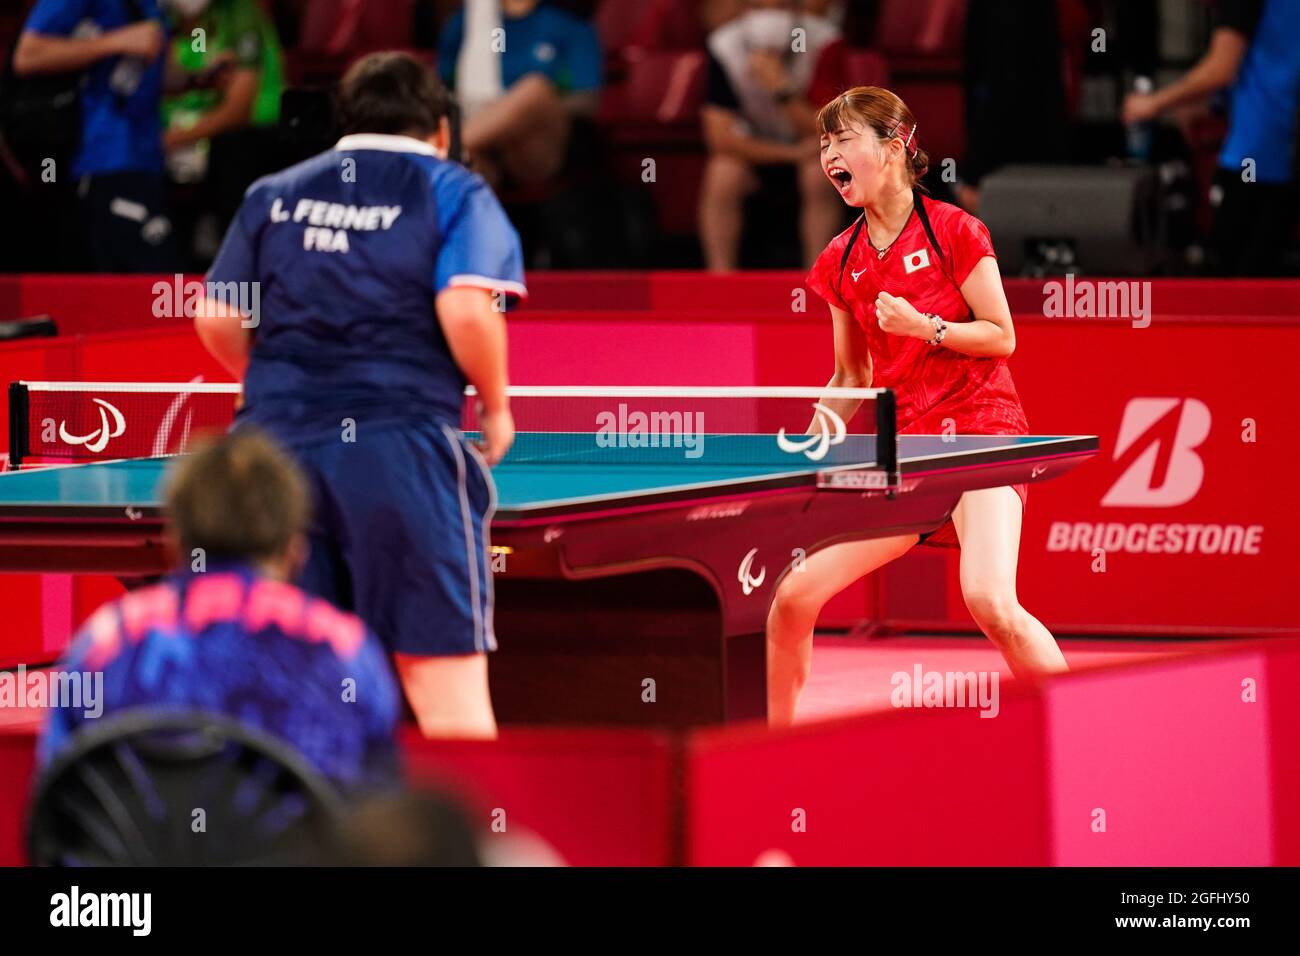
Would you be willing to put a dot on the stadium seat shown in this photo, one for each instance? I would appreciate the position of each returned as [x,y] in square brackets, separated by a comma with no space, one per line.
[655,113]
[664,87]
[922,37]
[865,68]
[940,107]
[669,25]
[342,27]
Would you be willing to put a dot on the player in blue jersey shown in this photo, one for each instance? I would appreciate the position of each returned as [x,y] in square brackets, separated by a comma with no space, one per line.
[226,634]
[379,272]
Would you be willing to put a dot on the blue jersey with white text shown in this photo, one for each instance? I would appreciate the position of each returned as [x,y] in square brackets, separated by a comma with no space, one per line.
[344,254]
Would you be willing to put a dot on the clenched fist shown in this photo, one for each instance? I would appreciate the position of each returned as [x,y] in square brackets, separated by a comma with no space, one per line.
[895,315]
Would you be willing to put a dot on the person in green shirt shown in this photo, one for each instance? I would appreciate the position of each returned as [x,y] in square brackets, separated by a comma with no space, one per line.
[225,75]
[225,68]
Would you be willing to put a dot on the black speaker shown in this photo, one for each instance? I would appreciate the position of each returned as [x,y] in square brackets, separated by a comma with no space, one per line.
[1099,220]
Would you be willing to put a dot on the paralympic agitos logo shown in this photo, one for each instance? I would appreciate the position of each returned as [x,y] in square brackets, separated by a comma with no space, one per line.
[828,429]
[171,435]
[98,439]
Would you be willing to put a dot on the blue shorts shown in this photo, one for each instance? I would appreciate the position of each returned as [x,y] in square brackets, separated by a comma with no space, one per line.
[400,535]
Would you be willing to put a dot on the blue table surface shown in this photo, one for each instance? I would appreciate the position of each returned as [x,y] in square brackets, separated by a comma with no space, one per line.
[543,468]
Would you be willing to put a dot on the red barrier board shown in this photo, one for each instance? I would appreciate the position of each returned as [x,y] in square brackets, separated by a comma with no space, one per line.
[1193,761]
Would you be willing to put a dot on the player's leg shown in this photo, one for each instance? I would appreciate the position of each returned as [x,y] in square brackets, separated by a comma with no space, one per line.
[988,526]
[406,510]
[727,181]
[799,599]
[821,212]
[449,695]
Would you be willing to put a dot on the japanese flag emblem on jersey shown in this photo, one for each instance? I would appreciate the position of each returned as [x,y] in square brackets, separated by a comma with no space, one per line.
[916,260]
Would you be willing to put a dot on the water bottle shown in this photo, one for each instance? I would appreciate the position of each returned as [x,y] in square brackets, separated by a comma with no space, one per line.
[1140,135]
[126,76]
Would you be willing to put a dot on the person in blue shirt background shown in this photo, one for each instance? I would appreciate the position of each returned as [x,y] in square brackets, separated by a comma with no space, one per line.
[225,634]
[519,89]
[1254,55]
[379,272]
[118,45]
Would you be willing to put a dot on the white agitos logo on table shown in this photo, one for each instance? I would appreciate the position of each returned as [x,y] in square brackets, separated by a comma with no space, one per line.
[750,582]
[97,440]
[829,431]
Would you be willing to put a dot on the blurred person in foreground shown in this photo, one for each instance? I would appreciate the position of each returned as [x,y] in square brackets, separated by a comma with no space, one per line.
[383,270]
[225,75]
[519,90]
[226,633]
[1254,54]
[118,46]
[755,132]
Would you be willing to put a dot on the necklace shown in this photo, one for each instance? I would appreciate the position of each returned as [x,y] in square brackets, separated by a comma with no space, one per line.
[880,253]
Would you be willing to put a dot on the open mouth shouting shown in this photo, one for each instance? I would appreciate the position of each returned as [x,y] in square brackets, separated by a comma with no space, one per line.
[841,177]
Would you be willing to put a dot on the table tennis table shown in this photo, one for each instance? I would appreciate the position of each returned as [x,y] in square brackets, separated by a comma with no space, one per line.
[631,566]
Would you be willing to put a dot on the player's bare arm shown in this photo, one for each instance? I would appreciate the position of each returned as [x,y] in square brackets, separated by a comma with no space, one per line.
[476,335]
[990,335]
[226,333]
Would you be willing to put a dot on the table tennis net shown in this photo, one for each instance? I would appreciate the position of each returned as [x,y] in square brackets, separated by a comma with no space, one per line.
[715,426]
[71,422]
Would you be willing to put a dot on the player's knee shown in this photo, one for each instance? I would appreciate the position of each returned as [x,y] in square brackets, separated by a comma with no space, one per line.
[793,605]
[995,611]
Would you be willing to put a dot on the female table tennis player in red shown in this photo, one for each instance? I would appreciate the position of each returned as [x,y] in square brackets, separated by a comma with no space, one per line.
[918,306]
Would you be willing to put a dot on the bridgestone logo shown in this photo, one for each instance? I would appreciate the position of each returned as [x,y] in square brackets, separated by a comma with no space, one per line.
[1155,538]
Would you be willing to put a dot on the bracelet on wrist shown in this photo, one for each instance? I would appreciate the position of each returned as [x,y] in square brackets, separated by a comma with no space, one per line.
[940,329]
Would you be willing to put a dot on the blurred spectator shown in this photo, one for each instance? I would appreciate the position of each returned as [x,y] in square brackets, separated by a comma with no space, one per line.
[226,634]
[225,75]
[832,75]
[1015,105]
[716,13]
[519,90]
[118,46]
[1254,53]
[758,130]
